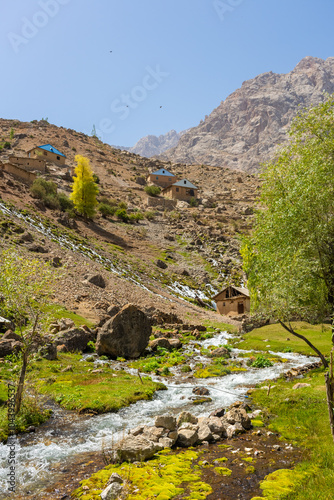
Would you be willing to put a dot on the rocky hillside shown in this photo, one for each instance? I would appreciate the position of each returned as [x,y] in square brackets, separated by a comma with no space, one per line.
[153,145]
[244,130]
[169,261]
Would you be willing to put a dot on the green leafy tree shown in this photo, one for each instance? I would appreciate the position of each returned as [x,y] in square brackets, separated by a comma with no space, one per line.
[26,286]
[289,259]
[84,189]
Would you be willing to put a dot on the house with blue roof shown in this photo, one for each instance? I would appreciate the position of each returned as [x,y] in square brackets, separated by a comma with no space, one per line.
[47,152]
[162,178]
[182,190]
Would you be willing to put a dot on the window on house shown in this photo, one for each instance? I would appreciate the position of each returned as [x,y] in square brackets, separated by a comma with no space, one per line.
[157,178]
[45,153]
[177,189]
[223,303]
[58,157]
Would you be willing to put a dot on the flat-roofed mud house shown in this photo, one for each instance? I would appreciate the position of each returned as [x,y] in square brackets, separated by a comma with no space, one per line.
[233,300]
[162,178]
[182,190]
[48,153]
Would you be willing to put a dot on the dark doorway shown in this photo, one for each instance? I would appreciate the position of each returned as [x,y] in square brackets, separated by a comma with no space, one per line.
[240,307]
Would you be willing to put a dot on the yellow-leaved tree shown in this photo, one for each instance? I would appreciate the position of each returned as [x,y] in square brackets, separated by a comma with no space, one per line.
[84,188]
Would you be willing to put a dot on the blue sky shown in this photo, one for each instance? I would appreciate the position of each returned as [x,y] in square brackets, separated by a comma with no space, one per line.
[172,61]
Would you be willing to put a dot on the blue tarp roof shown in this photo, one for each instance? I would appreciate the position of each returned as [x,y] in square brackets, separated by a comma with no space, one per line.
[50,148]
[163,171]
[185,183]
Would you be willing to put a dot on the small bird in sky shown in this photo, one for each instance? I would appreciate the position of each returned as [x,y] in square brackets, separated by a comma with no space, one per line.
[111,51]
[160,106]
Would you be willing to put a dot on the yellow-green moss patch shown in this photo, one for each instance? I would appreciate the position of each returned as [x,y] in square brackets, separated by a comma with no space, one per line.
[223,471]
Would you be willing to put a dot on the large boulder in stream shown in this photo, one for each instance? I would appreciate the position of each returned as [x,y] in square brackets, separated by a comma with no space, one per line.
[126,335]
[136,449]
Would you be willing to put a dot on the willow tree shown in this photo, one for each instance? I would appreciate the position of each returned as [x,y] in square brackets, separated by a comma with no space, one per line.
[84,189]
[26,286]
[289,258]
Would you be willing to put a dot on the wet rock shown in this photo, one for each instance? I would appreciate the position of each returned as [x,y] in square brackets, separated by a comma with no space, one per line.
[153,433]
[136,448]
[201,391]
[166,421]
[137,430]
[221,352]
[127,334]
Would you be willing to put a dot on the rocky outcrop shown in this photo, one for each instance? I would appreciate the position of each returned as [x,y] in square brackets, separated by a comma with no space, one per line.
[152,145]
[186,430]
[9,346]
[244,130]
[126,334]
[74,339]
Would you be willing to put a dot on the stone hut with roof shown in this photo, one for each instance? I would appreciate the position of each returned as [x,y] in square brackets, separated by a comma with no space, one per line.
[182,190]
[47,152]
[233,300]
[162,178]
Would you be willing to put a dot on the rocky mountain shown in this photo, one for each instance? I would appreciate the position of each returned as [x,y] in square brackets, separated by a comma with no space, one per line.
[153,145]
[245,129]
[164,260]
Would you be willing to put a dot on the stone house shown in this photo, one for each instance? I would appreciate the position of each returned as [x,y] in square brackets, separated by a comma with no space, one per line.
[162,178]
[28,163]
[48,153]
[181,190]
[233,300]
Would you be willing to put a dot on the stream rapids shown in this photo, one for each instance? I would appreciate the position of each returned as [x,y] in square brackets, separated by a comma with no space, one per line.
[58,442]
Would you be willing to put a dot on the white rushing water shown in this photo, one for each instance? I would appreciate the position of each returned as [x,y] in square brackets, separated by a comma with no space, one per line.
[42,452]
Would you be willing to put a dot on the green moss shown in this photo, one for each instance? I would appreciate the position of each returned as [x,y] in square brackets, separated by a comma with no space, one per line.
[280,483]
[250,469]
[161,478]
[257,422]
[223,471]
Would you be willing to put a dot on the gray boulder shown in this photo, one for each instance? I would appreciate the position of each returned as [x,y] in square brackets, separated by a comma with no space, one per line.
[136,448]
[187,436]
[9,346]
[204,433]
[127,334]
[237,415]
[186,416]
[166,421]
[112,492]
[75,339]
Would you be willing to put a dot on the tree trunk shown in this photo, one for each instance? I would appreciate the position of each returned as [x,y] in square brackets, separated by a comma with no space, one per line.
[290,330]
[18,398]
[330,394]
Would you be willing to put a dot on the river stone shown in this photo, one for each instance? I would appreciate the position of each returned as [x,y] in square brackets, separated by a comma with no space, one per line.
[218,413]
[300,385]
[186,416]
[166,421]
[160,342]
[173,436]
[115,478]
[137,430]
[204,433]
[111,492]
[175,343]
[221,352]
[136,449]
[187,437]
[201,391]
[126,335]
[237,415]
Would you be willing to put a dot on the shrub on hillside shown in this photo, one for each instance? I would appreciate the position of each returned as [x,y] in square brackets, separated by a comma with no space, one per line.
[136,217]
[106,210]
[104,200]
[152,190]
[122,214]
